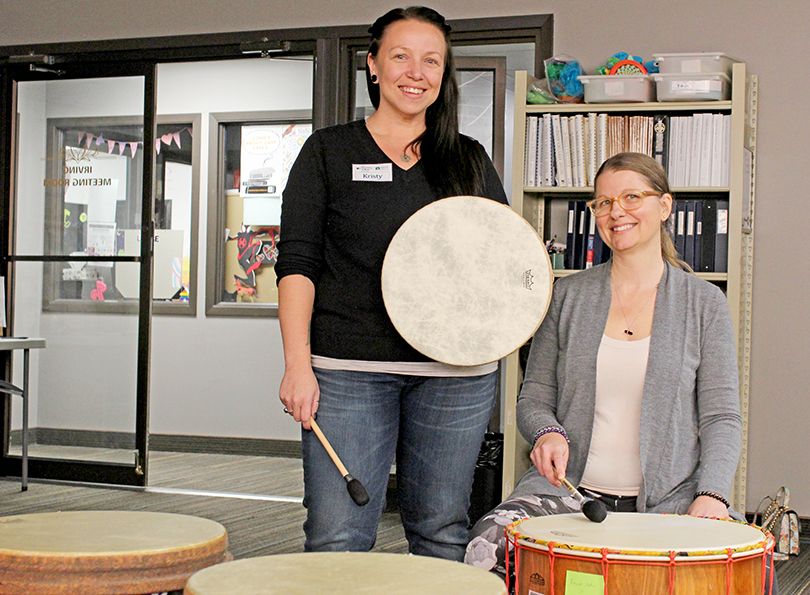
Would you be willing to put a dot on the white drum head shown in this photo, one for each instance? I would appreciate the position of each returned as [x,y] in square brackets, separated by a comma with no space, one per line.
[466,280]
[640,534]
[343,573]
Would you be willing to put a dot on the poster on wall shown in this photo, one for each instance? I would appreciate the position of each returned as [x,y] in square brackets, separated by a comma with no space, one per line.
[267,154]
[97,180]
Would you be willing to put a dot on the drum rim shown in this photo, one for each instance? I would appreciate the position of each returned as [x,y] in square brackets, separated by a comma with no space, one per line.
[750,549]
[489,202]
[216,535]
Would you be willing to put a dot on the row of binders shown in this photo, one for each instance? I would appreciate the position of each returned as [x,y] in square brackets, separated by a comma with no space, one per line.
[566,151]
[699,231]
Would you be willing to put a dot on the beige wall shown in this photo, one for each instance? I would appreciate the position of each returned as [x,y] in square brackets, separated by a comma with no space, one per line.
[770,38]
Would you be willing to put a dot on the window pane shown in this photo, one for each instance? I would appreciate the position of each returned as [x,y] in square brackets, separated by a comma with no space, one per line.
[175,210]
[257,160]
[79,170]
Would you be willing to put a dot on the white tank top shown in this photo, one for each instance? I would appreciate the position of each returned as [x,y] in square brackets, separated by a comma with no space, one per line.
[614,463]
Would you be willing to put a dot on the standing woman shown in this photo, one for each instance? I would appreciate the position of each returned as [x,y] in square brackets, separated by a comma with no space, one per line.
[376,398]
[631,387]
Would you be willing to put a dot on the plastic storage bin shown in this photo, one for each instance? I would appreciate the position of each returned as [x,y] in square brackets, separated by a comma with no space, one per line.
[713,86]
[694,63]
[619,88]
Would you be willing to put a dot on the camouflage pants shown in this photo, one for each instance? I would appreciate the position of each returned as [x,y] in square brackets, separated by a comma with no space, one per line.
[487,547]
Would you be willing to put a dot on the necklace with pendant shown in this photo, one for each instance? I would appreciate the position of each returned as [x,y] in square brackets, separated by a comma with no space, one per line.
[630,324]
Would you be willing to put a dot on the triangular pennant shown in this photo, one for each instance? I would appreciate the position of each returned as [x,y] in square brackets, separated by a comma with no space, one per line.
[134,148]
[121,146]
[176,137]
[81,134]
[157,146]
[100,140]
[189,132]
[110,146]
[88,140]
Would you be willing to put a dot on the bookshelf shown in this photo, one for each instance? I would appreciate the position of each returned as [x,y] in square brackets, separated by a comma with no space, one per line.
[540,206]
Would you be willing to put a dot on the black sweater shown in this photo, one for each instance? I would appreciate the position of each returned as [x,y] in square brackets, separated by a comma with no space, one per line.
[336,231]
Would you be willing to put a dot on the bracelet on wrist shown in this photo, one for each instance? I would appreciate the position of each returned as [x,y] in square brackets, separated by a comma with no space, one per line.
[548,430]
[714,495]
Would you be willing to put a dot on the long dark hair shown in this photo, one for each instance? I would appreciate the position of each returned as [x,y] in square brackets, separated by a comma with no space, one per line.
[649,169]
[452,163]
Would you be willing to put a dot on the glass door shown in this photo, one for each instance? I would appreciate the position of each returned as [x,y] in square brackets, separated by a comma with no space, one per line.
[77,192]
[228,132]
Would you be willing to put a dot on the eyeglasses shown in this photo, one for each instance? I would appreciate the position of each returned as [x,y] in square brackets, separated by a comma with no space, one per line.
[629,200]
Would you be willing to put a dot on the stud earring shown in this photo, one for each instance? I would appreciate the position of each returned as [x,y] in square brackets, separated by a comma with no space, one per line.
[374,78]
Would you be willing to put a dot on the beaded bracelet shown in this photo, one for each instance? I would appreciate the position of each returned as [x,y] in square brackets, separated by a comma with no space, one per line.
[547,430]
[714,495]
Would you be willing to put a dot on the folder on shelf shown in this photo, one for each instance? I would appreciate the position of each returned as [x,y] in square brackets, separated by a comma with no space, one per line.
[530,152]
[601,139]
[570,237]
[560,178]
[566,150]
[582,240]
[708,236]
[721,238]
[697,134]
[689,242]
[573,149]
[593,148]
[718,148]
[706,149]
[589,244]
[581,134]
[695,264]
[687,150]
[724,167]
[675,157]
[547,152]
[680,227]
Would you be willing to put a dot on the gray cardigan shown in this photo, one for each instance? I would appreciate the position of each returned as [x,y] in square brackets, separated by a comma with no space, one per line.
[690,414]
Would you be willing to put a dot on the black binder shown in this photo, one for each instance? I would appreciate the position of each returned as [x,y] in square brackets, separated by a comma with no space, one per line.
[721,238]
[570,236]
[707,242]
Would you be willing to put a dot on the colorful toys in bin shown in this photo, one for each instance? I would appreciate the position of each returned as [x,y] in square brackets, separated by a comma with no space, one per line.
[624,63]
[561,75]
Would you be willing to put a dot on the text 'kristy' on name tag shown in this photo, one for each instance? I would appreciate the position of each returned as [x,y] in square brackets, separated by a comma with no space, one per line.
[371,172]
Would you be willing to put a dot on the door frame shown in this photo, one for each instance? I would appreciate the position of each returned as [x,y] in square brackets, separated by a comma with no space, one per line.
[59,68]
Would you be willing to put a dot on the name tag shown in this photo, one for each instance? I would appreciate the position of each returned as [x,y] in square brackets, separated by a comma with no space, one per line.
[372,172]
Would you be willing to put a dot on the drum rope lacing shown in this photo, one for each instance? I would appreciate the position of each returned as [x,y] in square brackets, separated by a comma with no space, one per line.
[555,551]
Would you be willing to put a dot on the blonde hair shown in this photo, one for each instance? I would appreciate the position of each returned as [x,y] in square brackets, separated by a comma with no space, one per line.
[656,177]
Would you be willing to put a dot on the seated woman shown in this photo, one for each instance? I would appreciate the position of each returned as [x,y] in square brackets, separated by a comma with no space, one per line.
[631,387]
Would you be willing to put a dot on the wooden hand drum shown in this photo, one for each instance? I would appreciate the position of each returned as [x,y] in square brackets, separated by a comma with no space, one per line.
[643,554]
[105,551]
[343,573]
[466,280]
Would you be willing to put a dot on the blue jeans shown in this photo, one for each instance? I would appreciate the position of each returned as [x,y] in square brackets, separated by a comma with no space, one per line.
[433,426]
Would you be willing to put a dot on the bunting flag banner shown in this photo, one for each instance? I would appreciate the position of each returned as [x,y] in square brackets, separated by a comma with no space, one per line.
[89,139]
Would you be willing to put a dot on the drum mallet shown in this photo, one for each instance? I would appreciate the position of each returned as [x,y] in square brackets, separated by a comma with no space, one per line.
[356,489]
[594,510]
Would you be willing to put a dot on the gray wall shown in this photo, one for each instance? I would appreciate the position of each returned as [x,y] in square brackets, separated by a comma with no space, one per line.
[769,38]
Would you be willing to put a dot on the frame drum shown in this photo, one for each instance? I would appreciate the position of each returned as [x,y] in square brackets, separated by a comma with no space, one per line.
[105,551]
[639,553]
[343,573]
[466,280]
